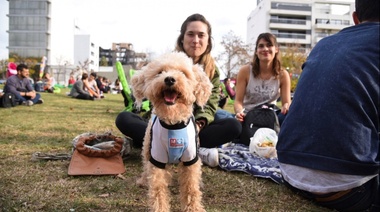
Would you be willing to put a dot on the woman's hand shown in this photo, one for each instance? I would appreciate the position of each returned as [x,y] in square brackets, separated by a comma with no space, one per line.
[285,108]
[200,124]
[240,116]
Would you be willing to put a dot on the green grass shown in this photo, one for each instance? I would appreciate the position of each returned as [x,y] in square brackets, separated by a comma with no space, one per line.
[27,185]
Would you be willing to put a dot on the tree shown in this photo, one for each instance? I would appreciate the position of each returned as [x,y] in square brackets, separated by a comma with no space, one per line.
[235,55]
[3,68]
[103,61]
[292,59]
[32,62]
[81,68]
[61,70]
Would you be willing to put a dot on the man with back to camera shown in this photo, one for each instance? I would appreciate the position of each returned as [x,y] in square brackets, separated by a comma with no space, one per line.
[328,146]
[20,86]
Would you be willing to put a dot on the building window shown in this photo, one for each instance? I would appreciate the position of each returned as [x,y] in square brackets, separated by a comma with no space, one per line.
[290,6]
[287,20]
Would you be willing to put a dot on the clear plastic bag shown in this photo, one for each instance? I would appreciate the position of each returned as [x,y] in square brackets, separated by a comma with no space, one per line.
[263,143]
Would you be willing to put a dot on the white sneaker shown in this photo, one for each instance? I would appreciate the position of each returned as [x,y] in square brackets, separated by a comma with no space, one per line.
[40,101]
[209,156]
[127,146]
[27,103]
[225,145]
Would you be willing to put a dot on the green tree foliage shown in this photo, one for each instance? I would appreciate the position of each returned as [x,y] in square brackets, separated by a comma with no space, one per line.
[235,54]
[3,68]
[32,62]
[292,58]
[103,61]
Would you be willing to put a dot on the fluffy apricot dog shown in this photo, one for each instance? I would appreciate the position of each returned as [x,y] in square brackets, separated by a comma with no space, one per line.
[172,83]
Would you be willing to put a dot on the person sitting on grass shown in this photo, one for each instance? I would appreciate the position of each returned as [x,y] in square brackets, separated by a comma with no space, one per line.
[222,97]
[195,40]
[91,86]
[226,91]
[328,146]
[49,83]
[21,87]
[71,81]
[102,84]
[229,89]
[78,91]
[263,80]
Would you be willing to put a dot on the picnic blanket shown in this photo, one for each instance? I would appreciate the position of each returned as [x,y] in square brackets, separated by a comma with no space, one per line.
[237,157]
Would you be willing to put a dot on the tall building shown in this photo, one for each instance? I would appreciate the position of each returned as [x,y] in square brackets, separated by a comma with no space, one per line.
[122,52]
[40,28]
[299,22]
[29,27]
[86,51]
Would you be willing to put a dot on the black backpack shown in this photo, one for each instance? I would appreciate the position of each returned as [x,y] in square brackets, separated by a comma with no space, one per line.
[8,100]
[261,116]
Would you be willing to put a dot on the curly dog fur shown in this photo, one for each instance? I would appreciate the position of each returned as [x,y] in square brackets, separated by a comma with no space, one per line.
[172,83]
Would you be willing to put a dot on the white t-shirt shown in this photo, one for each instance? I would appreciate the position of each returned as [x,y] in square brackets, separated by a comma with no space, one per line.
[317,181]
[178,144]
[92,84]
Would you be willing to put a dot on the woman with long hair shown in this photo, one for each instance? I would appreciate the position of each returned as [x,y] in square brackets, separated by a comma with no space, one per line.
[195,40]
[263,80]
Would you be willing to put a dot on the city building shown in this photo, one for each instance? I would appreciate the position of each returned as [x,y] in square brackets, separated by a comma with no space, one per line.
[125,54]
[105,57]
[300,23]
[29,28]
[122,52]
[86,52]
[44,28]
[36,30]
[47,28]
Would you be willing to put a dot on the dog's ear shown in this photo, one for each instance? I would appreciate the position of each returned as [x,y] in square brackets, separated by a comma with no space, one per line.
[203,87]
[137,85]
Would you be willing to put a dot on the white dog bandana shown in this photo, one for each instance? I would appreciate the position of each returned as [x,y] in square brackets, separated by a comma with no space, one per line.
[171,144]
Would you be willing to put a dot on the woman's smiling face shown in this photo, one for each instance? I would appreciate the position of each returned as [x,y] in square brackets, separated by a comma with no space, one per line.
[195,40]
[266,51]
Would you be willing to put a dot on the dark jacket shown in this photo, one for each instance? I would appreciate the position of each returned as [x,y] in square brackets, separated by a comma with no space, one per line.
[209,110]
[78,89]
[15,85]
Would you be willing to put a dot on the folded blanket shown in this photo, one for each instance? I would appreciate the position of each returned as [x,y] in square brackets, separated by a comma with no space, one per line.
[237,157]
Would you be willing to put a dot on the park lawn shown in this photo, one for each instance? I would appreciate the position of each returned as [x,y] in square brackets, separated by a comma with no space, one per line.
[44,185]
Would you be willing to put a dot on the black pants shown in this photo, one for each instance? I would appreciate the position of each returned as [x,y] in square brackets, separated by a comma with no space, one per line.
[363,198]
[222,102]
[85,96]
[215,134]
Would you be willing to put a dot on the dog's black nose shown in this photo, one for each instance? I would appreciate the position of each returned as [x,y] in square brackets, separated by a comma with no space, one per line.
[169,81]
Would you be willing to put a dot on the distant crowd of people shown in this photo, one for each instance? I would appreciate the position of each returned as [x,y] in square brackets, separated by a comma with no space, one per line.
[93,87]
[25,89]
